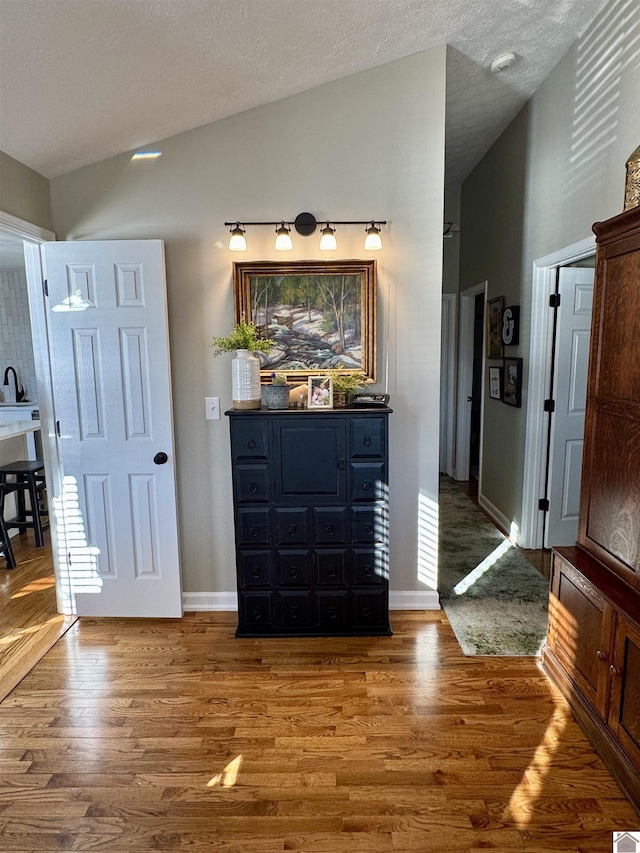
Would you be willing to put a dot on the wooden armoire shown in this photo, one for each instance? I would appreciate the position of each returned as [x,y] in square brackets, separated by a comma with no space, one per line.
[593,644]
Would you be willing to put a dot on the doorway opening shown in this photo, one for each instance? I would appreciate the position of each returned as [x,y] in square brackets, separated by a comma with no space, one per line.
[470,384]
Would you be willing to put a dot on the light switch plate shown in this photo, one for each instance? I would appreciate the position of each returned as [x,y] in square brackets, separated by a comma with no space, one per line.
[212,408]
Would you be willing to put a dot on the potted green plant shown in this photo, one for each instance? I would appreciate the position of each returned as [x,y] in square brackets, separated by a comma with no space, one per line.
[246,340]
[345,384]
[276,394]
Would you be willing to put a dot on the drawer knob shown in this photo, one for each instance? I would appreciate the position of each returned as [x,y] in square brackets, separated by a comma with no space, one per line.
[602,655]
[251,444]
[366,611]
[331,571]
[253,487]
[366,486]
[293,573]
[615,671]
[332,613]
[329,529]
[256,614]
[291,529]
[254,531]
[293,613]
[368,529]
[255,574]
[367,441]
[342,464]
[367,571]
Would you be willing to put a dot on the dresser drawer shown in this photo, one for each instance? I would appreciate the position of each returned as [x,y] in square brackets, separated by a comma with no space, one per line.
[250,439]
[367,437]
[331,566]
[252,483]
[293,567]
[254,526]
[368,524]
[295,610]
[292,526]
[332,611]
[329,525]
[368,481]
[255,610]
[369,566]
[369,607]
[255,568]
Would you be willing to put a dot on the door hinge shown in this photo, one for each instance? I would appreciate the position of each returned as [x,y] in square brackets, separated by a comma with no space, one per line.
[543,504]
[549,405]
[554,300]
[45,287]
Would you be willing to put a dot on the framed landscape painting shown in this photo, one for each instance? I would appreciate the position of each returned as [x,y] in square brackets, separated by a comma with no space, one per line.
[320,315]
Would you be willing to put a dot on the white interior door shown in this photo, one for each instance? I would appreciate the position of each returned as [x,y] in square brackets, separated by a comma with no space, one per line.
[573,333]
[116,516]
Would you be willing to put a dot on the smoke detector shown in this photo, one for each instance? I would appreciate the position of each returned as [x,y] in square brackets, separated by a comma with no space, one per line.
[505,60]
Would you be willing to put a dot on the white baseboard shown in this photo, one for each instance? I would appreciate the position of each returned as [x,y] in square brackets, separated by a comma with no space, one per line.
[414,599]
[209,601]
[398,600]
[498,517]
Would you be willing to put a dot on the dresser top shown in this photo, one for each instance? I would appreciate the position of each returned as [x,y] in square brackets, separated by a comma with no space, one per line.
[346,412]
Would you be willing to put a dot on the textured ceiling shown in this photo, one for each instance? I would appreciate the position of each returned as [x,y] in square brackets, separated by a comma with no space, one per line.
[82,80]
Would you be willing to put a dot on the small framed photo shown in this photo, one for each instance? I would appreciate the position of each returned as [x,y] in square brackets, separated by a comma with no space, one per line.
[512,395]
[495,307]
[495,383]
[320,395]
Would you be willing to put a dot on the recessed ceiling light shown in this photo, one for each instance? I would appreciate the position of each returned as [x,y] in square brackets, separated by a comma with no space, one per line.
[505,60]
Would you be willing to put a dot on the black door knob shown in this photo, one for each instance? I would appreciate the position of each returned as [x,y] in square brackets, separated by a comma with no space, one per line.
[160,458]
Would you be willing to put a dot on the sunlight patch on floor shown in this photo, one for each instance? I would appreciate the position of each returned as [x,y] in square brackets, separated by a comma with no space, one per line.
[483,567]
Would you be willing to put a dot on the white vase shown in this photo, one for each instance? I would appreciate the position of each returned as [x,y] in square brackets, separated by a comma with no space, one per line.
[245,380]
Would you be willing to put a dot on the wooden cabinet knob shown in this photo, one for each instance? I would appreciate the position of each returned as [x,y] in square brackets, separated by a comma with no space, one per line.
[602,655]
[615,671]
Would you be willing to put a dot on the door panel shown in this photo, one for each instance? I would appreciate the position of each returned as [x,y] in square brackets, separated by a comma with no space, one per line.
[117,517]
[570,393]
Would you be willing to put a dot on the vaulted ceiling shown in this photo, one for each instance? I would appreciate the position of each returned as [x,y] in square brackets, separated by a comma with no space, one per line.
[82,80]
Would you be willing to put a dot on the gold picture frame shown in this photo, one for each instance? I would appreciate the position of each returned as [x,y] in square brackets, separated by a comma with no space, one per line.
[319,314]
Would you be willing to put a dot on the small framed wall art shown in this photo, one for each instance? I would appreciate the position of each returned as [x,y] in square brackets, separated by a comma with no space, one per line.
[495,307]
[512,395]
[320,394]
[511,325]
[495,383]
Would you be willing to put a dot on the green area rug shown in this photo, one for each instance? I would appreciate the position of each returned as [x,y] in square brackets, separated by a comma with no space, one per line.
[494,598]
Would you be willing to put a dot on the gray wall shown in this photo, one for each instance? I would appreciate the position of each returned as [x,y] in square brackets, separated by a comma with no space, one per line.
[370,145]
[557,168]
[24,193]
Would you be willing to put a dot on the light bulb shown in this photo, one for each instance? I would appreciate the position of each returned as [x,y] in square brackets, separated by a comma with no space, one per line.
[328,240]
[283,239]
[237,243]
[373,241]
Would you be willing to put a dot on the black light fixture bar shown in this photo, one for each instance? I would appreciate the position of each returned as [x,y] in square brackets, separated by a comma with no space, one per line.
[305,224]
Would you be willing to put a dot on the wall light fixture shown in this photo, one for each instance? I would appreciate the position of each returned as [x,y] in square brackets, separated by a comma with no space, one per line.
[305,224]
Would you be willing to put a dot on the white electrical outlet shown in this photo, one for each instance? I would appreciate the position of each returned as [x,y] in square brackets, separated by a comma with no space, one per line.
[212,408]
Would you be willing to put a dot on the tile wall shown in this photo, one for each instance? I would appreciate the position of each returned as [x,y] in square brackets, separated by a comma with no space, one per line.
[16,348]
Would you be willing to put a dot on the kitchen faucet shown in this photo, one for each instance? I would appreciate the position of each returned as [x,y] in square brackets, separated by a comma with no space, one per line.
[20,392]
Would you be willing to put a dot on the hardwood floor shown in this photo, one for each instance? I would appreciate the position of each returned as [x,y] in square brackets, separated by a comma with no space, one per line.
[174,735]
[29,621]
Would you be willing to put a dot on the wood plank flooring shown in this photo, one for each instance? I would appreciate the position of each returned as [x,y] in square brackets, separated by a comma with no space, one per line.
[174,735]
[29,621]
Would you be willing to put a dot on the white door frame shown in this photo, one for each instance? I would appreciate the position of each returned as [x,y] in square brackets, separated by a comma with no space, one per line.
[448,382]
[465,381]
[539,377]
[32,236]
